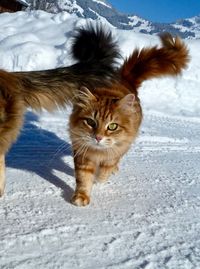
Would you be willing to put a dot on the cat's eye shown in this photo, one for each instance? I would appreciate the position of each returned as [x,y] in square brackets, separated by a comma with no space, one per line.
[112,126]
[91,122]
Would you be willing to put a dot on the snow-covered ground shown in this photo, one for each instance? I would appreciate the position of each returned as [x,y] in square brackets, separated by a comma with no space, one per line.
[146,216]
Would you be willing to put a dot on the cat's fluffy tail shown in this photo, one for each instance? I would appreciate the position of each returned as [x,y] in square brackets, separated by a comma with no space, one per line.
[95,50]
[154,62]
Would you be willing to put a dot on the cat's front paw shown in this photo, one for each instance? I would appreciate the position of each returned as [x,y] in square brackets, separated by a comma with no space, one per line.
[80,199]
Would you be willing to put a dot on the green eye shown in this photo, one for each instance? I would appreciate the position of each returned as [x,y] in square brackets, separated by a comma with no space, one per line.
[112,126]
[91,122]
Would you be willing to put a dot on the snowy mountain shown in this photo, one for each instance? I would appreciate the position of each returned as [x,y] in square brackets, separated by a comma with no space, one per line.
[191,25]
[103,10]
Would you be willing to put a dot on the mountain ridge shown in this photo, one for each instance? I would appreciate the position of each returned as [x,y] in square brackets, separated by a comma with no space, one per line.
[102,10]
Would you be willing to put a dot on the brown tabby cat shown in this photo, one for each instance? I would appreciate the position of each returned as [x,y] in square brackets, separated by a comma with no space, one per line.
[96,54]
[105,120]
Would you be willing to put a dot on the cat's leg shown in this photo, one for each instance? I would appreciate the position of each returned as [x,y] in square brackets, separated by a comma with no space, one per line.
[84,173]
[11,120]
[106,169]
[2,174]
[8,136]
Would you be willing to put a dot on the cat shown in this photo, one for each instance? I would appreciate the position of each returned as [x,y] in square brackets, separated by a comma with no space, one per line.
[106,120]
[96,54]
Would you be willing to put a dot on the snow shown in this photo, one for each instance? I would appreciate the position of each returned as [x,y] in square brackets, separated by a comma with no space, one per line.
[102,20]
[70,6]
[23,2]
[139,24]
[193,26]
[43,39]
[102,3]
[146,216]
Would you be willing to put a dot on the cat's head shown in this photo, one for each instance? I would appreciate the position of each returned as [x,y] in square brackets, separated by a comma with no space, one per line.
[102,122]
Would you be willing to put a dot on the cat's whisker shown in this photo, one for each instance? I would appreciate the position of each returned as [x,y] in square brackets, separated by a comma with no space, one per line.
[80,150]
[78,137]
[79,143]
[60,148]
[84,153]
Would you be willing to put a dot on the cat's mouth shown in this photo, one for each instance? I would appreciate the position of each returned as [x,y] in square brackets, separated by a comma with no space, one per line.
[100,145]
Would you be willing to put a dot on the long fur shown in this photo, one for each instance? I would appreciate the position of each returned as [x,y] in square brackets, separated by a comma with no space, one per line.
[97,151]
[154,62]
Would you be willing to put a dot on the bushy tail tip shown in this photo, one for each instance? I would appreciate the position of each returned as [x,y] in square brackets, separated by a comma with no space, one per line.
[153,62]
[94,44]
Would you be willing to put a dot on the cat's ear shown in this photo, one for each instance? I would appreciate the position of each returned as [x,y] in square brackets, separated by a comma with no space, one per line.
[127,102]
[85,97]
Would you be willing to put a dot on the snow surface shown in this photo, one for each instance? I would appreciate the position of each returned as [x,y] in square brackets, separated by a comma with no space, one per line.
[146,216]
[102,3]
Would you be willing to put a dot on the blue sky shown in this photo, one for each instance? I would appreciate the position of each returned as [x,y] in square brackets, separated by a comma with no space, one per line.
[159,10]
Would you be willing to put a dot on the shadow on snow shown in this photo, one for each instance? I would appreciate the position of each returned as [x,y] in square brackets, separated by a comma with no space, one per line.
[40,151]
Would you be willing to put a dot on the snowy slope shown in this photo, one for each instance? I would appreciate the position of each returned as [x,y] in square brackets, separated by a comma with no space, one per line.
[146,216]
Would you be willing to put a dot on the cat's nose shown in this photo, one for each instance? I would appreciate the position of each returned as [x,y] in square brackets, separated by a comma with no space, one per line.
[98,138]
